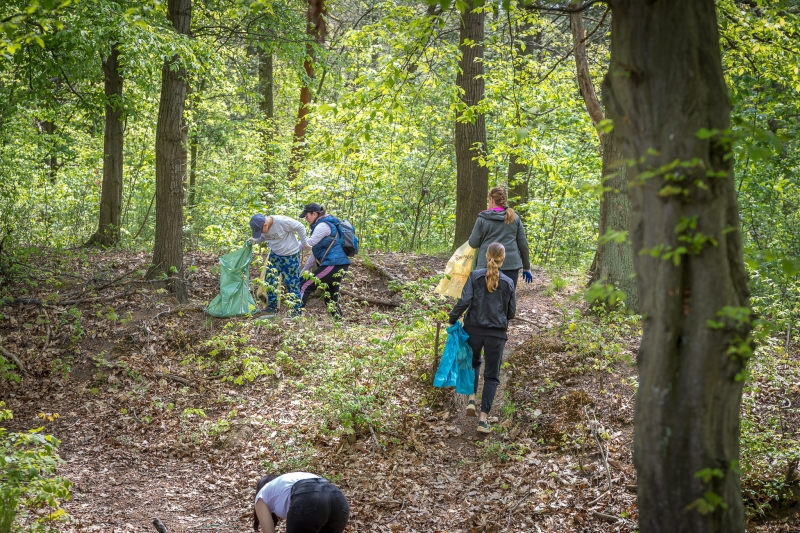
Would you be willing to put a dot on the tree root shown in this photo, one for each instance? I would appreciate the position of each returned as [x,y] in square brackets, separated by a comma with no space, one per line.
[15,359]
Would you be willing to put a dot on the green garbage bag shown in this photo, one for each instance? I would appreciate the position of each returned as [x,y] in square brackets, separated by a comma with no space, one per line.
[234,296]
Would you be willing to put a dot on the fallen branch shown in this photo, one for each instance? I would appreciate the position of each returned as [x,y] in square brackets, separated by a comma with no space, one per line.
[382,269]
[173,377]
[375,438]
[47,339]
[526,321]
[160,527]
[603,453]
[16,360]
[398,513]
[375,301]
[511,512]
[597,499]
[608,517]
[43,303]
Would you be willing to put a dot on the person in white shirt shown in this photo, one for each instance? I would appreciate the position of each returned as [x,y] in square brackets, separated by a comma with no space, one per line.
[308,503]
[285,237]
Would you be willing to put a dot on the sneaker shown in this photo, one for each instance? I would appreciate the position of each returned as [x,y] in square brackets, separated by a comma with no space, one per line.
[483,427]
[471,408]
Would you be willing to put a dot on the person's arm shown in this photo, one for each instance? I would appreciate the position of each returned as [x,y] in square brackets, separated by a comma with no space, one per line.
[264,517]
[476,237]
[512,304]
[463,303]
[320,232]
[300,231]
[309,263]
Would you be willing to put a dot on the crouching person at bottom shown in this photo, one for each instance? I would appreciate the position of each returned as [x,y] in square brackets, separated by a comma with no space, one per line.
[489,300]
[308,503]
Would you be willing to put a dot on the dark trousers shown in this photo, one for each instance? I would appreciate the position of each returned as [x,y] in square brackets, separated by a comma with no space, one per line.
[513,274]
[331,276]
[493,352]
[317,505]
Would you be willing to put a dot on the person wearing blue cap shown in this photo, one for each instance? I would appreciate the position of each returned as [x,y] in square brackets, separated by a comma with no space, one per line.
[285,237]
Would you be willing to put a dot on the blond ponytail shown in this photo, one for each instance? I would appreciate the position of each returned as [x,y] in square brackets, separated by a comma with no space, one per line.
[500,197]
[495,255]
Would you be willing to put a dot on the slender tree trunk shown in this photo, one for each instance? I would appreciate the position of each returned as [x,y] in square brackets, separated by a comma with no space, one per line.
[193,144]
[613,261]
[48,128]
[472,179]
[170,161]
[107,233]
[664,89]
[519,172]
[315,29]
[265,84]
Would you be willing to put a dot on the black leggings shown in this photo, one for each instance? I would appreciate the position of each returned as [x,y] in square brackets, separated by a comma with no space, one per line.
[317,505]
[331,276]
[493,352]
[513,274]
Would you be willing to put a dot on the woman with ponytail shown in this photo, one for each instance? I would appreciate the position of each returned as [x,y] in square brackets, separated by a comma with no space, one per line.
[501,224]
[489,300]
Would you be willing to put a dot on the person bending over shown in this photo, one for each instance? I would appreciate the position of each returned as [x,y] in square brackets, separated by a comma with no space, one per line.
[307,502]
[327,262]
[489,300]
[285,237]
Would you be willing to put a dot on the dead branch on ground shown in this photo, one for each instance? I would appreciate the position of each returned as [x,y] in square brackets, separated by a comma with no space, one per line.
[16,360]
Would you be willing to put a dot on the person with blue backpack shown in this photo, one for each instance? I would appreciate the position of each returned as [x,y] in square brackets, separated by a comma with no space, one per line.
[489,301]
[331,241]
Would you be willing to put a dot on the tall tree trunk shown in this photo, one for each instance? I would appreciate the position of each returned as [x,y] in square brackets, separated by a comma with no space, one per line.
[519,172]
[315,29]
[170,161]
[472,179]
[664,90]
[613,261]
[47,127]
[265,84]
[107,233]
[194,144]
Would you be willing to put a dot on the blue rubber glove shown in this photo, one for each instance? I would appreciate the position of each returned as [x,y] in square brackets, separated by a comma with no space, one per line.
[527,277]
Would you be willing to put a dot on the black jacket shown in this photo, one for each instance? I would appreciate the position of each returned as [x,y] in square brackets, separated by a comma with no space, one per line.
[491,227]
[485,309]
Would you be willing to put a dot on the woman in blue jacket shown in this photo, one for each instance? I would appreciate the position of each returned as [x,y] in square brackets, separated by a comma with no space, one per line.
[327,262]
[489,300]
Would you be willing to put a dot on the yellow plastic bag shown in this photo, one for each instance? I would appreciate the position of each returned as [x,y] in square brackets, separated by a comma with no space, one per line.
[456,272]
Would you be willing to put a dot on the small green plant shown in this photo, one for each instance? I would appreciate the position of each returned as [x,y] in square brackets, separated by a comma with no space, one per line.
[30,492]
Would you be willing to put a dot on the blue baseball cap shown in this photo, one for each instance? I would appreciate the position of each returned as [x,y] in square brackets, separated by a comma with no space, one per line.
[256,224]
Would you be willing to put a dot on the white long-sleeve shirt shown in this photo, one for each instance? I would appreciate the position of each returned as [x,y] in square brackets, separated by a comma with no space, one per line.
[321,231]
[285,237]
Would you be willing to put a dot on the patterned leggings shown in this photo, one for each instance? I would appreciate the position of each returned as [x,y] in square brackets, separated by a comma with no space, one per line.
[287,266]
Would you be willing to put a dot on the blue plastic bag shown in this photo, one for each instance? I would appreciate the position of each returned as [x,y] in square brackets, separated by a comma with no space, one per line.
[455,368]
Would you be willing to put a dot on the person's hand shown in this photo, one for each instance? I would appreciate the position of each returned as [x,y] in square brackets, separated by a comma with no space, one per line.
[452,321]
[251,240]
[527,277]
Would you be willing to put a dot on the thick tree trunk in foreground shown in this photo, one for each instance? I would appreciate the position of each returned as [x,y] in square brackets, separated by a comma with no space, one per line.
[315,29]
[613,261]
[472,179]
[170,161]
[665,86]
[111,194]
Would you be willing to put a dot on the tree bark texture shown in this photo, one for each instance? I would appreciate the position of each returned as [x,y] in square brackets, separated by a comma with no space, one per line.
[265,84]
[518,172]
[315,29]
[171,160]
[613,261]
[664,85]
[111,194]
[472,179]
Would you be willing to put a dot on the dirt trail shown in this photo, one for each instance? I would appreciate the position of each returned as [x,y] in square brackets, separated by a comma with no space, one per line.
[434,475]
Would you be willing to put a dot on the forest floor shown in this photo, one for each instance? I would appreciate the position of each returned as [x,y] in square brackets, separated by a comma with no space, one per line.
[150,426]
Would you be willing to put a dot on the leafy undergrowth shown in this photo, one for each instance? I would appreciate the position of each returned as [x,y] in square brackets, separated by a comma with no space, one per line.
[165,412]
